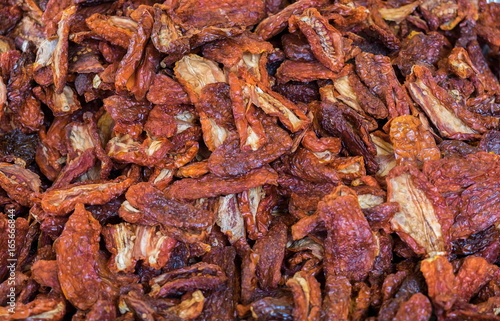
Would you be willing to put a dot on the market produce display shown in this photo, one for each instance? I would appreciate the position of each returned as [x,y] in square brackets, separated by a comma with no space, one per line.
[249,160]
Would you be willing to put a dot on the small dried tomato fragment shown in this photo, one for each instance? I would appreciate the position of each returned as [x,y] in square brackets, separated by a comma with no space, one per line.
[202,276]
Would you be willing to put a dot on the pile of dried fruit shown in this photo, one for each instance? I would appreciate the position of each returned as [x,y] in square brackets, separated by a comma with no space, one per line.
[249,159]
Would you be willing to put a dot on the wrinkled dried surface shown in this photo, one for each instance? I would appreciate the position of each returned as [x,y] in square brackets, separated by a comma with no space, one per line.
[229,159]
[371,68]
[76,252]
[249,160]
[62,201]
[352,256]
[412,143]
[326,41]
[270,250]
[211,185]
[438,104]
[201,275]
[147,205]
[424,218]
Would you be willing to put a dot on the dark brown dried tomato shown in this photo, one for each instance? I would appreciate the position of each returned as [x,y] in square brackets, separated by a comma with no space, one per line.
[417,307]
[296,48]
[453,174]
[337,298]
[421,49]
[201,275]
[375,70]
[352,131]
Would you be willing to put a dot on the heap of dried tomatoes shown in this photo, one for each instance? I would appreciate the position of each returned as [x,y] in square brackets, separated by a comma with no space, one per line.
[249,160]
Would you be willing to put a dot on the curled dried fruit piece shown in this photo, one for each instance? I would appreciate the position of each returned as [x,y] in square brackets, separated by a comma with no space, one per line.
[199,14]
[211,185]
[45,272]
[474,273]
[350,128]
[160,123]
[385,153]
[276,23]
[229,159]
[270,250]
[310,167]
[195,72]
[130,243]
[166,91]
[191,306]
[167,35]
[421,49]
[356,95]
[62,201]
[124,79]
[256,205]
[203,80]
[64,103]
[214,107]
[127,113]
[151,152]
[306,296]
[477,208]
[250,129]
[445,15]
[377,73]
[193,170]
[417,308]
[229,217]
[60,53]
[424,219]
[199,276]
[242,51]
[19,183]
[326,41]
[303,71]
[38,309]
[438,273]
[221,303]
[454,174]
[337,298]
[438,104]
[117,30]
[76,251]
[398,14]
[275,104]
[149,206]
